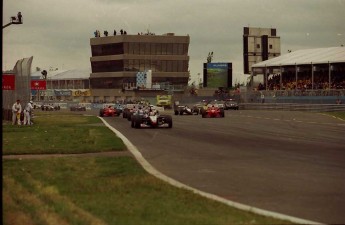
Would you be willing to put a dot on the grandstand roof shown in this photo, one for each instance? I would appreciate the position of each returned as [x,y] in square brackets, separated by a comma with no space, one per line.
[306,56]
[65,74]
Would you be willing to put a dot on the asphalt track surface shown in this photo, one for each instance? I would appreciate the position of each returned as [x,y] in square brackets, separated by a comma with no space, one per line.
[287,162]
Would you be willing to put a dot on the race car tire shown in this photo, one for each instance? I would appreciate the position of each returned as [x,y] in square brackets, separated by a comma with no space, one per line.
[169,121]
[137,122]
[222,113]
[203,114]
[181,112]
[101,113]
[176,112]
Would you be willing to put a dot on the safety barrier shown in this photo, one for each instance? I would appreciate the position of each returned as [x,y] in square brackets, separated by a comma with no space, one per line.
[293,107]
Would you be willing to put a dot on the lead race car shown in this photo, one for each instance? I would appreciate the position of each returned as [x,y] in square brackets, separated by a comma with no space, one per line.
[212,111]
[108,111]
[150,118]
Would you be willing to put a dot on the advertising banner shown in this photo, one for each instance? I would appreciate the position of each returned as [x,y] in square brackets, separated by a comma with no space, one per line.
[82,92]
[8,82]
[38,84]
[63,92]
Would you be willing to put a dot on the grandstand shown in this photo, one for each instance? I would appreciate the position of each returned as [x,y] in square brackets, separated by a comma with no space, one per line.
[302,74]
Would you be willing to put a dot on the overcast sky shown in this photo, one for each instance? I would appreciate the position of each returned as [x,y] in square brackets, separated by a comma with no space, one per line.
[57,33]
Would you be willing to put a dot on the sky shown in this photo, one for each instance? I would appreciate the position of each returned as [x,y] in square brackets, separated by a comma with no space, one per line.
[57,33]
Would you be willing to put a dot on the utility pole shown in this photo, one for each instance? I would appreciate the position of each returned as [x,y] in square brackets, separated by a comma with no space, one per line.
[15,20]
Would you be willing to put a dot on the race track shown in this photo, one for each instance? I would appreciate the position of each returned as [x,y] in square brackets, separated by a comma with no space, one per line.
[287,162]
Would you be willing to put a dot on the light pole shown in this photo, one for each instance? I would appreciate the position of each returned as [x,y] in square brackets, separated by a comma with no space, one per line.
[15,20]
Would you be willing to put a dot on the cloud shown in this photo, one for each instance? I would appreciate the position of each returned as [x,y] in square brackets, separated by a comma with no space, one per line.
[57,33]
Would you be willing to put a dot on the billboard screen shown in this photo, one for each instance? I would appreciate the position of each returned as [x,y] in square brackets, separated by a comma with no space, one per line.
[217,75]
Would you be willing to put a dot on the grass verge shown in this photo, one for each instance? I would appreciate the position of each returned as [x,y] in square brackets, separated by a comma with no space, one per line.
[59,132]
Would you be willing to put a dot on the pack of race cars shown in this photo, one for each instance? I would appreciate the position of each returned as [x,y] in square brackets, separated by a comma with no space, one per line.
[142,115]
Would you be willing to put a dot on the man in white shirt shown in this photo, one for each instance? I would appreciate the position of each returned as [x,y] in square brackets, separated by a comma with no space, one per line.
[16,110]
[27,113]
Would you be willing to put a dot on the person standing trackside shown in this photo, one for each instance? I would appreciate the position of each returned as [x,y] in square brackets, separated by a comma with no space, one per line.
[27,113]
[16,110]
[262,98]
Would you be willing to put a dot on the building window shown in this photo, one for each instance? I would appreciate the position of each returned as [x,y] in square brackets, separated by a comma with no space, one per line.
[130,48]
[180,49]
[169,66]
[257,45]
[142,65]
[147,49]
[271,46]
[164,49]
[142,49]
[153,49]
[159,49]
[164,66]
[169,49]
[136,47]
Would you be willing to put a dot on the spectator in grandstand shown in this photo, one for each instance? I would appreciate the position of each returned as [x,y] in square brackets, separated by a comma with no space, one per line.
[338,101]
[105,33]
[16,110]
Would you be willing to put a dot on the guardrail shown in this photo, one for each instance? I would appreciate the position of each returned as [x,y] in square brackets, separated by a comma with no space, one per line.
[293,107]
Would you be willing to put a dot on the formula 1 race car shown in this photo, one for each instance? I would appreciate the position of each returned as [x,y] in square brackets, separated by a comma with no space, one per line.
[78,108]
[128,110]
[140,119]
[231,104]
[212,111]
[186,110]
[108,111]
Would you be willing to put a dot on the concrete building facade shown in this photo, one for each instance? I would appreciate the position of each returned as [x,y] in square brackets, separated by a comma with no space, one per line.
[117,60]
[259,44]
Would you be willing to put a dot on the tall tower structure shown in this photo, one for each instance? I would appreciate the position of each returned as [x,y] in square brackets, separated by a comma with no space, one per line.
[259,44]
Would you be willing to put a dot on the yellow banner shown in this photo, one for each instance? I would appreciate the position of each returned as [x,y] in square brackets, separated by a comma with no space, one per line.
[84,92]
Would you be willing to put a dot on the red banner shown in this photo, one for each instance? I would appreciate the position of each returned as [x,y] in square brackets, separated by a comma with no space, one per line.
[38,85]
[8,82]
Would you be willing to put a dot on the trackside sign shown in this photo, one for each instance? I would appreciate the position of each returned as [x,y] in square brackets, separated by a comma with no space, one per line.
[8,82]
[38,85]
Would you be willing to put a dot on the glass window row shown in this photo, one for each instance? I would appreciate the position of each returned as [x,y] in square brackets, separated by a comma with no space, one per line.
[140,65]
[138,48]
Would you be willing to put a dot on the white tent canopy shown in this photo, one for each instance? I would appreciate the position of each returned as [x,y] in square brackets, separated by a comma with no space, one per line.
[76,74]
[306,56]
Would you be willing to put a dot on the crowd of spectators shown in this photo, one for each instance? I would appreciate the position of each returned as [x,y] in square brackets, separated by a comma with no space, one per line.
[304,82]
[97,33]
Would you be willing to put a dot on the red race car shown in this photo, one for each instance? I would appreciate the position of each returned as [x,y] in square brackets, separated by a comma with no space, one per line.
[212,111]
[108,111]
